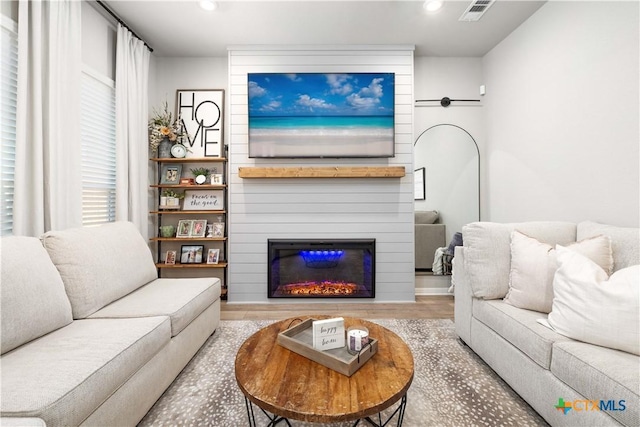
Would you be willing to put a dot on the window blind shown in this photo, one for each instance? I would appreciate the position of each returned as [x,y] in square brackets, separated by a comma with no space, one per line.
[9,95]
[98,122]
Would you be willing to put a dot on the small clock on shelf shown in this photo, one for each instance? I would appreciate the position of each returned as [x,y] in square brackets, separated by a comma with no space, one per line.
[178,151]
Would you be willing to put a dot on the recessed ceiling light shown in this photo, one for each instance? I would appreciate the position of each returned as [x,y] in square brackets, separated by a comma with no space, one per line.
[432,5]
[208,5]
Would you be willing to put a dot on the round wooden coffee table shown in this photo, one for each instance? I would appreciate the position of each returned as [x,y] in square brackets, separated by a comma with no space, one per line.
[290,386]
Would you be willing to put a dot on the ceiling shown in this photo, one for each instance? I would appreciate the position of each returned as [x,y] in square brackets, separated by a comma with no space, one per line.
[182,28]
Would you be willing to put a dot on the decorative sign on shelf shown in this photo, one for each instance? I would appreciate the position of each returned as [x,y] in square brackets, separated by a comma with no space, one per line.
[202,115]
[203,200]
[328,333]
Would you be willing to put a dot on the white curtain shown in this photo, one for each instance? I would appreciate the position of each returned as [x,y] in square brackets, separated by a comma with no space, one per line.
[132,147]
[48,184]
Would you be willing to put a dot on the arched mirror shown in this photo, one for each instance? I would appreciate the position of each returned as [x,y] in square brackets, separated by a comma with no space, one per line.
[447,177]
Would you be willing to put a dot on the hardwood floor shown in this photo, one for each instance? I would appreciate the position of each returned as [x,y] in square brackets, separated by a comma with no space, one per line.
[425,307]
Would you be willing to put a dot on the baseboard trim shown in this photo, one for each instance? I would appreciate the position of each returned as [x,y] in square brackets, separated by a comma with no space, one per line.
[432,291]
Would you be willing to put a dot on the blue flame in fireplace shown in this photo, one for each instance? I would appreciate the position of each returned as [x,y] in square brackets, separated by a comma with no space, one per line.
[322,259]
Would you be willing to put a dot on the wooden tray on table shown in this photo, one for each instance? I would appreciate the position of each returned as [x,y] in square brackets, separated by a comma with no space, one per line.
[299,339]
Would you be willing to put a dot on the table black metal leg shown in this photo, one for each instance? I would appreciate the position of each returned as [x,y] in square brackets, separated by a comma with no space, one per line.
[276,419]
[273,419]
[398,411]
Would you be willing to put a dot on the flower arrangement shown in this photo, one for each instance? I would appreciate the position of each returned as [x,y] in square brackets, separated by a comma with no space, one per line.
[171,193]
[162,125]
[200,171]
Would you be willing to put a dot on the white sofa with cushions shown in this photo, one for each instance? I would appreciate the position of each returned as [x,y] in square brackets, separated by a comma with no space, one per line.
[553,308]
[90,334]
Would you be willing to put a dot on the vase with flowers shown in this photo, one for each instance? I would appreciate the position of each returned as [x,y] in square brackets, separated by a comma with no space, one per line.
[164,131]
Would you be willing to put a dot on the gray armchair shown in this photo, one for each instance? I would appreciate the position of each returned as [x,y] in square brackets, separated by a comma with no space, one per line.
[429,236]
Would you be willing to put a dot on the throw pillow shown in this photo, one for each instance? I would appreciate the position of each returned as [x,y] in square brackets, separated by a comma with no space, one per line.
[533,265]
[426,217]
[456,240]
[591,307]
[487,255]
[625,242]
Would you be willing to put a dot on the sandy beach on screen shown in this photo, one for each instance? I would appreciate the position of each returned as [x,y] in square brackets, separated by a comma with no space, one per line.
[338,145]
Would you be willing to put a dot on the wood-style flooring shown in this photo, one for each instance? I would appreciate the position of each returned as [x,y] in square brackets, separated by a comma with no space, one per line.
[425,307]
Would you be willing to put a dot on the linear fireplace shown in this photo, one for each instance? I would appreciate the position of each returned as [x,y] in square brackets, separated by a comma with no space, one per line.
[337,268]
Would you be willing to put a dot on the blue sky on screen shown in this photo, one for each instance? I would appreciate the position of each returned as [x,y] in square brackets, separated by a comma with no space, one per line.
[315,94]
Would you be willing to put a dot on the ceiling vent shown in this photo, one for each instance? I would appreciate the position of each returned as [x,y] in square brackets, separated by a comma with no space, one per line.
[476,9]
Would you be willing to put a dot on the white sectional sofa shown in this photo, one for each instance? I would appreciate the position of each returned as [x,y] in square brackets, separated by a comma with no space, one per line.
[541,365]
[90,334]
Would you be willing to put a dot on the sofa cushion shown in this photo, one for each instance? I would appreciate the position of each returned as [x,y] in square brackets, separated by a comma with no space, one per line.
[488,254]
[98,265]
[426,217]
[33,300]
[181,299]
[625,242]
[519,327]
[64,376]
[599,373]
[428,238]
[592,307]
[533,265]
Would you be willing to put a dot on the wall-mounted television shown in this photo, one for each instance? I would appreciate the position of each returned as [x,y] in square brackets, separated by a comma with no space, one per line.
[318,115]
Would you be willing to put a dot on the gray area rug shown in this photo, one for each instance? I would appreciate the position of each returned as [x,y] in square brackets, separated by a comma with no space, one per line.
[451,386]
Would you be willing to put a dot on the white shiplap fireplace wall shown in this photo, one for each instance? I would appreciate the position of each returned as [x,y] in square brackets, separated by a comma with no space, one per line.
[261,209]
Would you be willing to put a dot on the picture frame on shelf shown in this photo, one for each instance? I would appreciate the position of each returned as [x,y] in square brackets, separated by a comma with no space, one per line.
[170,258]
[218,229]
[170,174]
[184,228]
[203,200]
[216,179]
[198,228]
[212,256]
[419,184]
[202,116]
[191,254]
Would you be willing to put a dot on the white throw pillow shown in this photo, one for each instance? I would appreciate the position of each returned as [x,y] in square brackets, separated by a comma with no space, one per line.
[533,265]
[625,242]
[589,306]
[486,251]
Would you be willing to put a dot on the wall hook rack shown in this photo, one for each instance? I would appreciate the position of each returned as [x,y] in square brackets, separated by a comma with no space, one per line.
[446,101]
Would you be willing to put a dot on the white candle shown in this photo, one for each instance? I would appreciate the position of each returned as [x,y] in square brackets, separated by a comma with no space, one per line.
[357,338]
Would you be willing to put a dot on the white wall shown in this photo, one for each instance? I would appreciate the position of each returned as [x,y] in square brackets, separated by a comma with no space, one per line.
[325,208]
[9,8]
[456,78]
[98,40]
[562,137]
[172,74]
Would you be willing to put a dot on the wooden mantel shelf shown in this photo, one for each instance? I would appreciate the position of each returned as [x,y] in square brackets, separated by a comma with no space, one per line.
[323,172]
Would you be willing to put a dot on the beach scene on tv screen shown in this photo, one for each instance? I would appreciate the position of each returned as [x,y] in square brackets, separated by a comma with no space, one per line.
[321,115]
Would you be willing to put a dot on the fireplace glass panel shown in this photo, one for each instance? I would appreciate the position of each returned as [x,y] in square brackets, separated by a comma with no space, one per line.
[321,268]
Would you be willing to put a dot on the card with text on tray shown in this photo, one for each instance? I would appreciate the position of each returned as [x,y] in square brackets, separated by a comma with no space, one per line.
[328,333]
